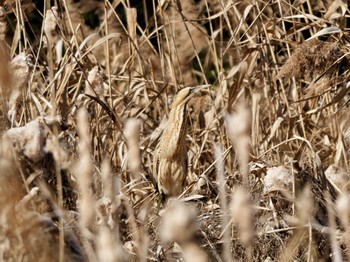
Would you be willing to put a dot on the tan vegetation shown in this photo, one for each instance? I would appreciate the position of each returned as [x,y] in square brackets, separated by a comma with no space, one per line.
[97,118]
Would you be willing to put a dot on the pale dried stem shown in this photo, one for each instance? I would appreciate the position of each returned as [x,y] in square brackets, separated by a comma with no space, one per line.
[220,178]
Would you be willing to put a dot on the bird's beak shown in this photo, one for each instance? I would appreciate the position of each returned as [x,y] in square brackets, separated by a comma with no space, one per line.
[198,90]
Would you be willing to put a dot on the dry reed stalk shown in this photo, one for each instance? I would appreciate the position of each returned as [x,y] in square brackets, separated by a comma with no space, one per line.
[139,234]
[220,178]
[332,10]
[132,135]
[3,26]
[9,175]
[343,210]
[109,245]
[239,125]
[5,78]
[94,83]
[72,17]
[339,178]
[336,251]
[243,216]
[109,249]
[179,224]
[84,173]
[110,189]
[27,5]
[131,15]
[184,38]
[52,26]
[114,53]
[20,67]
[255,123]
[303,215]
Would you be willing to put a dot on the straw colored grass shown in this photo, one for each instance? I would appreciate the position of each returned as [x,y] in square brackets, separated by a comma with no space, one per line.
[86,94]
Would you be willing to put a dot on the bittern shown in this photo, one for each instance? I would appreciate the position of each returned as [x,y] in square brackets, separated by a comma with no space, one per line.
[170,158]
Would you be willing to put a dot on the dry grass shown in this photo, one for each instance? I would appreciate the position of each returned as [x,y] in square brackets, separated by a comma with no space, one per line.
[83,108]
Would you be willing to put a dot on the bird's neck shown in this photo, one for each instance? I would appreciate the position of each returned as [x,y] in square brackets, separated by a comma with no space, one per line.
[178,116]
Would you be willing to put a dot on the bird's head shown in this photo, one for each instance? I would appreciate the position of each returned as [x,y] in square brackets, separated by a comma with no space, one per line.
[185,94]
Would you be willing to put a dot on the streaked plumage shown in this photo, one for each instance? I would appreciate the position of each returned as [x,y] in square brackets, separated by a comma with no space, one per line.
[170,158]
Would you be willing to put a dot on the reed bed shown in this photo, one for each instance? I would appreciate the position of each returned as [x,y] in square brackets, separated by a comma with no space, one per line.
[86,90]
